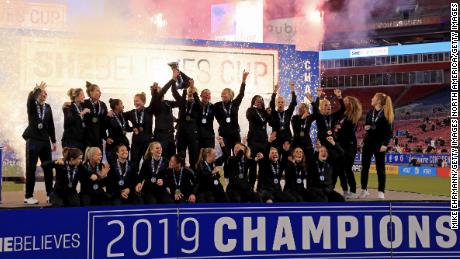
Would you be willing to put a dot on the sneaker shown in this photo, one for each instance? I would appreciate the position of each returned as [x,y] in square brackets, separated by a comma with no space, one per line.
[381,196]
[364,194]
[30,201]
[351,195]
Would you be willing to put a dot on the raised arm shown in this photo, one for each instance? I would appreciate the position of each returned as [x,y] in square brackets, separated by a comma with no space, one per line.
[272,100]
[293,103]
[239,98]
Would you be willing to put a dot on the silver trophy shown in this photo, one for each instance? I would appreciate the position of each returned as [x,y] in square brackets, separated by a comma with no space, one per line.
[182,80]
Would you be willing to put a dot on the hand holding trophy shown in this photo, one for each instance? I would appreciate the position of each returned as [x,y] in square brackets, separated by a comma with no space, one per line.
[182,80]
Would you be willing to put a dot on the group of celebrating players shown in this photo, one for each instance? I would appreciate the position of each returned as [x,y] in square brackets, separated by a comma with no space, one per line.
[277,165]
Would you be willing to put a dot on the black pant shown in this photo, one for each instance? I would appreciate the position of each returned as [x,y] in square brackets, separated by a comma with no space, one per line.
[70,143]
[137,152]
[257,147]
[188,139]
[368,151]
[276,196]
[98,198]
[230,141]
[167,143]
[348,162]
[212,197]
[337,169]
[239,195]
[117,200]
[207,142]
[325,195]
[68,200]
[155,196]
[298,195]
[37,149]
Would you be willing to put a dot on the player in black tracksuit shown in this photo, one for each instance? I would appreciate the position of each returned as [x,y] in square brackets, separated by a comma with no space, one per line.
[74,120]
[39,132]
[320,174]
[151,180]
[346,137]
[301,124]
[206,121]
[325,123]
[141,118]
[93,188]
[226,112]
[121,178]
[258,118]
[117,127]
[69,171]
[240,172]
[187,123]
[95,130]
[379,131]
[210,188]
[271,171]
[281,118]
[296,176]
[180,181]
[164,118]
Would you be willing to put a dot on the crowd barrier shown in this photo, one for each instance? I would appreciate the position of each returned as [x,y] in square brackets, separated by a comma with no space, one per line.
[303,230]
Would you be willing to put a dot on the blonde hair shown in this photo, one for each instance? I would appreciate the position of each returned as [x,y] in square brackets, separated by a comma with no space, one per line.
[246,149]
[387,104]
[149,148]
[141,96]
[229,91]
[204,152]
[73,93]
[90,153]
[322,102]
[355,109]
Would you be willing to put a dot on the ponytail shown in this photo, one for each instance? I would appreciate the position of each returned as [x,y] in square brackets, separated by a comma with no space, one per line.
[387,105]
[388,110]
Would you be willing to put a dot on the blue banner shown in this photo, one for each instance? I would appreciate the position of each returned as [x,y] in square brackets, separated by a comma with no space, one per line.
[304,230]
[425,159]
[417,170]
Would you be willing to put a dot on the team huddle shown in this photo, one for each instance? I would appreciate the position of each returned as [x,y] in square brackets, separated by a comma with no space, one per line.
[281,166]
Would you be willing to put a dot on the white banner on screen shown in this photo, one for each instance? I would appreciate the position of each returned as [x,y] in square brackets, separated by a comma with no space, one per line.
[123,69]
[126,66]
[368,52]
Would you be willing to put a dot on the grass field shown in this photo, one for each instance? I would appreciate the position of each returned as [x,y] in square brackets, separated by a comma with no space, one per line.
[418,184]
